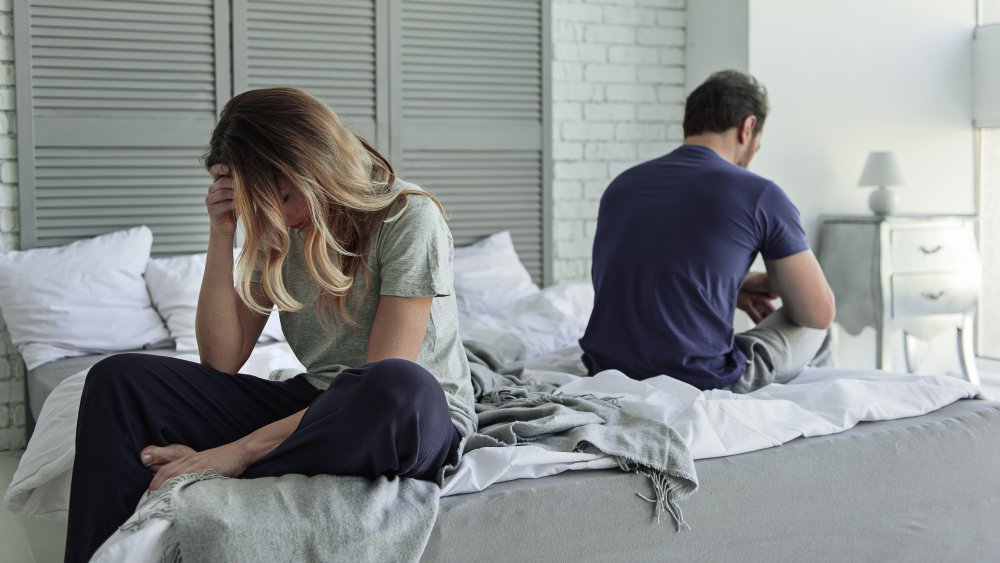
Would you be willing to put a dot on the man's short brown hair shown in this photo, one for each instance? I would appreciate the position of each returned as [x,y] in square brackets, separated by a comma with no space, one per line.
[724,101]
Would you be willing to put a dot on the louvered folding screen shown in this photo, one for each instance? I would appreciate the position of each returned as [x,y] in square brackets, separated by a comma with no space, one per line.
[328,47]
[116,101]
[467,108]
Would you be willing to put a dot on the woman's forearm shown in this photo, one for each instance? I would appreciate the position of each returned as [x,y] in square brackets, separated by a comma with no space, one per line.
[217,325]
[259,443]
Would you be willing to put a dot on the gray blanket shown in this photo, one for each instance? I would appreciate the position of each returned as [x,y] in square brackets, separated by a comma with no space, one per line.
[513,410]
[294,518]
[332,518]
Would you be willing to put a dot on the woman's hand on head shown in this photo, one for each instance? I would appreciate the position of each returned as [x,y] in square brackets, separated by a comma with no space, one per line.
[219,201]
[228,460]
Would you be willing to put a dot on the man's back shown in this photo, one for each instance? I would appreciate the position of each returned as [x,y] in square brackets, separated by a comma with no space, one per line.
[675,238]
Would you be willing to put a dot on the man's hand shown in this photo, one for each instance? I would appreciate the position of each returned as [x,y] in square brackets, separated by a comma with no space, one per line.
[228,460]
[756,296]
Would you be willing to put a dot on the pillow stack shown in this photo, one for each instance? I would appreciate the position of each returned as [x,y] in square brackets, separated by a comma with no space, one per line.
[102,295]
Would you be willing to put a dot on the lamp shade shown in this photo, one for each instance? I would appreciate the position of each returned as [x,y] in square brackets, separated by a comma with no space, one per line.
[881,169]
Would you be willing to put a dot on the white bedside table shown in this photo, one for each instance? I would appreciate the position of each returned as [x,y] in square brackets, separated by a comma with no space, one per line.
[911,272]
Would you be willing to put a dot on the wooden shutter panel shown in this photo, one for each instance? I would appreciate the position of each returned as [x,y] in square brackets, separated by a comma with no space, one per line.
[327,47]
[469,115]
[116,101]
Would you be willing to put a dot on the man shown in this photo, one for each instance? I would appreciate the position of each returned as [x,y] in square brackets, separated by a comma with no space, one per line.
[675,239]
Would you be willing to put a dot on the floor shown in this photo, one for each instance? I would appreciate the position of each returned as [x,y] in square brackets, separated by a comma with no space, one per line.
[26,540]
[31,540]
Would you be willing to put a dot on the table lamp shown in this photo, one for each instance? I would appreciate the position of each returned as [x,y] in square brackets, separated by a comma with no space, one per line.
[882,170]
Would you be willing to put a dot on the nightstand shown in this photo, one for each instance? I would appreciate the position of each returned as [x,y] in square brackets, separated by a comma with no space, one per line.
[916,273]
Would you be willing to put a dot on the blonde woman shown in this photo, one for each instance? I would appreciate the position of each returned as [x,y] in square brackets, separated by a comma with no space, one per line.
[359,265]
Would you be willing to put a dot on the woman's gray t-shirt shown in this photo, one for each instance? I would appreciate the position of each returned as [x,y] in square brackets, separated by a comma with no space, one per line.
[409,257]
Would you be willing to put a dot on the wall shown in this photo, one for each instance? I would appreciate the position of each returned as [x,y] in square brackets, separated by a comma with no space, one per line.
[846,78]
[617,100]
[12,406]
[718,35]
[868,75]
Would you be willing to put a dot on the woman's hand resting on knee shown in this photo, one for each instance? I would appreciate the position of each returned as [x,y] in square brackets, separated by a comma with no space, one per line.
[228,460]
[155,457]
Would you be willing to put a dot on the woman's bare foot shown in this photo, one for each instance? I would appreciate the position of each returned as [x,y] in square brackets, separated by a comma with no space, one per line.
[155,457]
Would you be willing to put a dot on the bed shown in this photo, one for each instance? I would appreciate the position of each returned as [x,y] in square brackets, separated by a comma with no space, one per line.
[837,465]
[915,489]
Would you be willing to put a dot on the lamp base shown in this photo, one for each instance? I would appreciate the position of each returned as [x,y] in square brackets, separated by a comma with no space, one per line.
[883,201]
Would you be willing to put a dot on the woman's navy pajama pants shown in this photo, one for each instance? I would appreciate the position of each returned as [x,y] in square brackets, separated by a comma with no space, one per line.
[384,418]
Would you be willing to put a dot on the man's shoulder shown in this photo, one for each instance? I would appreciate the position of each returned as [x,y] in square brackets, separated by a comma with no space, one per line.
[713,178]
[640,169]
[745,178]
[743,185]
[639,174]
[767,190]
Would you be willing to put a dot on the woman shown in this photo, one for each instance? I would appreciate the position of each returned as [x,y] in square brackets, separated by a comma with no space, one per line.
[358,263]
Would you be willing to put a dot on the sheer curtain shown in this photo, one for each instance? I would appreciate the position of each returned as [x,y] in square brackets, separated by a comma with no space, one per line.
[989,217]
[989,241]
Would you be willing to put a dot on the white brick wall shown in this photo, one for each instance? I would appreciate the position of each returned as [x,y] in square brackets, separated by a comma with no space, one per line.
[617,100]
[12,407]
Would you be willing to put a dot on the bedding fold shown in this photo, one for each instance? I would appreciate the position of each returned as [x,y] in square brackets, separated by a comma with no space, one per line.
[513,411]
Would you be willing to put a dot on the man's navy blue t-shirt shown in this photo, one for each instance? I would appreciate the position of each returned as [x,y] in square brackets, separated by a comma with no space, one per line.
[675,239]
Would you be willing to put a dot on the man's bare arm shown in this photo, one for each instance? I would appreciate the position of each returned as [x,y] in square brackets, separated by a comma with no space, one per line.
[805,295]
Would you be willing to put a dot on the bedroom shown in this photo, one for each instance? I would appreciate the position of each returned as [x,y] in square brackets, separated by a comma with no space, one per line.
[614,74]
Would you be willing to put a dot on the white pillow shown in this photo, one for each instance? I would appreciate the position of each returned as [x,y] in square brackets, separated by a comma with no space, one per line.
[539,324]
[82,298]
[489,275]
[174,283]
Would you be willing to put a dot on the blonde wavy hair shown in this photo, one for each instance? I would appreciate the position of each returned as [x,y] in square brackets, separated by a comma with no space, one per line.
[271,134]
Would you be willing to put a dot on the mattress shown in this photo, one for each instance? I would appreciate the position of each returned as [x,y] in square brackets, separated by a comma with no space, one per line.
[925,488]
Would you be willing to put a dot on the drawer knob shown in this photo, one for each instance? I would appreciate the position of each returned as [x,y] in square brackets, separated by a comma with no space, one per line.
[930,250]
[932,296]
